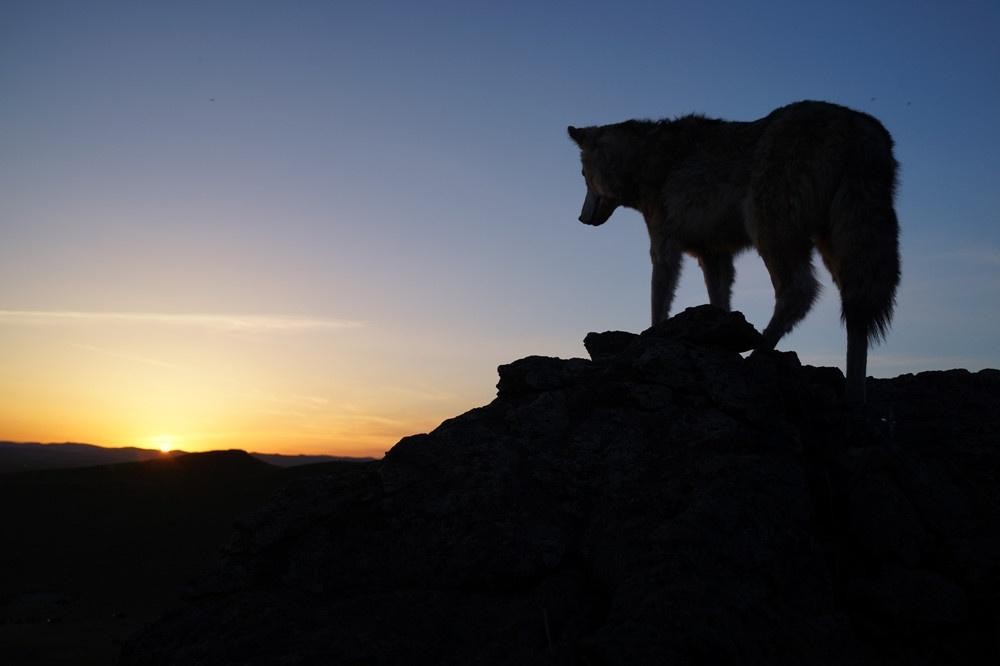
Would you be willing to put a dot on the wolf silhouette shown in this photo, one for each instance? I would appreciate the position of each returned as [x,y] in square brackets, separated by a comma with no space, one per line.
[807,175]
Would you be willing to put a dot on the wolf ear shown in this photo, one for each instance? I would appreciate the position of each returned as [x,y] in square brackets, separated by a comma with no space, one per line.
[580,136]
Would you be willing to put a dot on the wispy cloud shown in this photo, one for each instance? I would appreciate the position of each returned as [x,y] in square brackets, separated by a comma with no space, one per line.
[124,356]
[423,394]
[298,406]
[226,322]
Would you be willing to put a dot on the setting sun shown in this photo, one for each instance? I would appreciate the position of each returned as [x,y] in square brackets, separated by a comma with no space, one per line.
[164,443]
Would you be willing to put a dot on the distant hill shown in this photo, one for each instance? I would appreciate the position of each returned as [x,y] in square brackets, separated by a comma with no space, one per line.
[26,456]
[294,461]
[23,456]
[91,554]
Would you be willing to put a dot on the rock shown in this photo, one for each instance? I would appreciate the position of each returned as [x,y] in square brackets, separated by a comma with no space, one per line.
[607,345]
[668,501]
[709,326]
[911,600]
[540,373]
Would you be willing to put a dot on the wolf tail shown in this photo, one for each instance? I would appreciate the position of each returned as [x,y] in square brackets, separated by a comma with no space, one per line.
[864,241]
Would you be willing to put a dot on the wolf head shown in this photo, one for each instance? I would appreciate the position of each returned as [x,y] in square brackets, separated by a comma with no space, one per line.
[607,154]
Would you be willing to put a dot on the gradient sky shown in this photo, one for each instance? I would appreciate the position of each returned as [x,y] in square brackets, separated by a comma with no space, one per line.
[320,226]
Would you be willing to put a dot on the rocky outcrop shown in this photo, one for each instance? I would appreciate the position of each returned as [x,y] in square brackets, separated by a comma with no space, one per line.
[667,502]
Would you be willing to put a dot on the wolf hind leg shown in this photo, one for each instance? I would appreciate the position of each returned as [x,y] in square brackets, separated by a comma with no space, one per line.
[719,275]
[666,271]
[795,289]
[857,363]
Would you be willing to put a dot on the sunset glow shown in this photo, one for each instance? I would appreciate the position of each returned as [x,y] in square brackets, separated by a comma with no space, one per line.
[320,228]
[164,443]
[270,384]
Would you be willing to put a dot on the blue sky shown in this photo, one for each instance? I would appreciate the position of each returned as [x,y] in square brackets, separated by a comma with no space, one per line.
[403,168]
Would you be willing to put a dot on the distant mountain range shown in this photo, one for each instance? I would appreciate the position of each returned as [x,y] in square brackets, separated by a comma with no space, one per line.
[91,554]
[25,456]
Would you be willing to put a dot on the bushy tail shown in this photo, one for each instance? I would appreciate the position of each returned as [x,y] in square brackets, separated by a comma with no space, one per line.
[866,233]
[865,244]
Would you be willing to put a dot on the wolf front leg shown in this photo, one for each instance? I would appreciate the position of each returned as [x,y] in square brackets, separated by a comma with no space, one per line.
[719,275]
[666,259]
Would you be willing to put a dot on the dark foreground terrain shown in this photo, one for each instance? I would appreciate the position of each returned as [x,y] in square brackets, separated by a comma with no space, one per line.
[668,502]
[87,556]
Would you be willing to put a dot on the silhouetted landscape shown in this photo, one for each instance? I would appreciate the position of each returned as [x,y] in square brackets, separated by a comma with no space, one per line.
[667,501]
[91,554]
[26,456]
[287,228]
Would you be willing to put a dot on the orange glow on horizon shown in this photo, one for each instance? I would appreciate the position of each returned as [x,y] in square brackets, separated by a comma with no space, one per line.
[192,384]
[165,443]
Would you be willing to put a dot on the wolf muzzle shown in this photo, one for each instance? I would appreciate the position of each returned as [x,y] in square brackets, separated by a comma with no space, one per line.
[596,209]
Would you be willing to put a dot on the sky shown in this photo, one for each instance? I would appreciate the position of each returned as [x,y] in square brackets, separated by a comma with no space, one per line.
[317,227]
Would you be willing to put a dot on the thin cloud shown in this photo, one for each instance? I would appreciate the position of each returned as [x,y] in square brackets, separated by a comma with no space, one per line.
[225,322]
[133,358]
[423,394]
[298,406]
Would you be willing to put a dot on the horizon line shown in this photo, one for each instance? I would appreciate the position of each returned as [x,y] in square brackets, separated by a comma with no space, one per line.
[184,451]
[230,322]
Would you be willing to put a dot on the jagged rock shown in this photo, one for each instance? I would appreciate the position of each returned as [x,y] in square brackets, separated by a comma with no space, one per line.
[910,600]
[606,345]
[666,502]
[709,326]
[540,373]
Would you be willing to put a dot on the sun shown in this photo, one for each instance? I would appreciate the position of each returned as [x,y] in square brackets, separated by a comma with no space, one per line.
[165,443]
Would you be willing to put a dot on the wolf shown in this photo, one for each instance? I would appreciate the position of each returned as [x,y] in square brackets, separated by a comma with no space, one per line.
[808,175]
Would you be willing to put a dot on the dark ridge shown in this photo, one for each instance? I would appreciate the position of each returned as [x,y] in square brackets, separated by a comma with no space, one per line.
[185,466]
[283,460]
[22,456]
[666,502]
[27,456]
[228,462]
[91,554]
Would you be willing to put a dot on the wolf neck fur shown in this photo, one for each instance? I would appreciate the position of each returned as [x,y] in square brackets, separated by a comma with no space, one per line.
[690,163]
